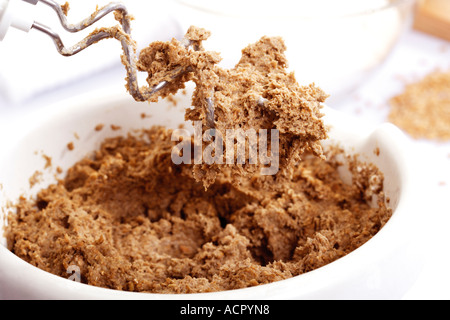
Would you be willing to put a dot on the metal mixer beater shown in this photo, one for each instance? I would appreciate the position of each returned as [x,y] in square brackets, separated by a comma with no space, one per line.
[10,18]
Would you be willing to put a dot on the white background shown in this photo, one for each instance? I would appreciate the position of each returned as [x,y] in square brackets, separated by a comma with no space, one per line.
[416,55]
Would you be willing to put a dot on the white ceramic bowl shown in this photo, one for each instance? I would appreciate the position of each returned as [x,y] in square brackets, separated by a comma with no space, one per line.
[385,267]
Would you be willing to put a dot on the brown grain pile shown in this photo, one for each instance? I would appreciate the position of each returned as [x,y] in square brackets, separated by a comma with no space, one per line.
[423,109]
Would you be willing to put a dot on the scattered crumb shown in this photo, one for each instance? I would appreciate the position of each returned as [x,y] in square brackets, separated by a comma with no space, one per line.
[35,178]
[172,100]
[48,161]
[65,8]
[70,146]
[99,127]
[376,151]
[144,115]
[115,127]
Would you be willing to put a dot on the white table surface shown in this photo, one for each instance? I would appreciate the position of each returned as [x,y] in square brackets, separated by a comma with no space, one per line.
[416,55]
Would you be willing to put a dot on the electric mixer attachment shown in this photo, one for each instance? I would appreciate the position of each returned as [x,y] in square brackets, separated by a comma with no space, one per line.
[9,18]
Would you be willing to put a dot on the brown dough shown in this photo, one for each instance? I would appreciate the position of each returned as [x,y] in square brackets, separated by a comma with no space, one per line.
[257,94]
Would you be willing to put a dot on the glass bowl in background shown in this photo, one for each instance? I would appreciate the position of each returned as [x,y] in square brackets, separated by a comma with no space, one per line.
[336,44]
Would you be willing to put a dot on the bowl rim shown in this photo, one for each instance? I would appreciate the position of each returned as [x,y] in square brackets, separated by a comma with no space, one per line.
[391,4]
[310,282]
